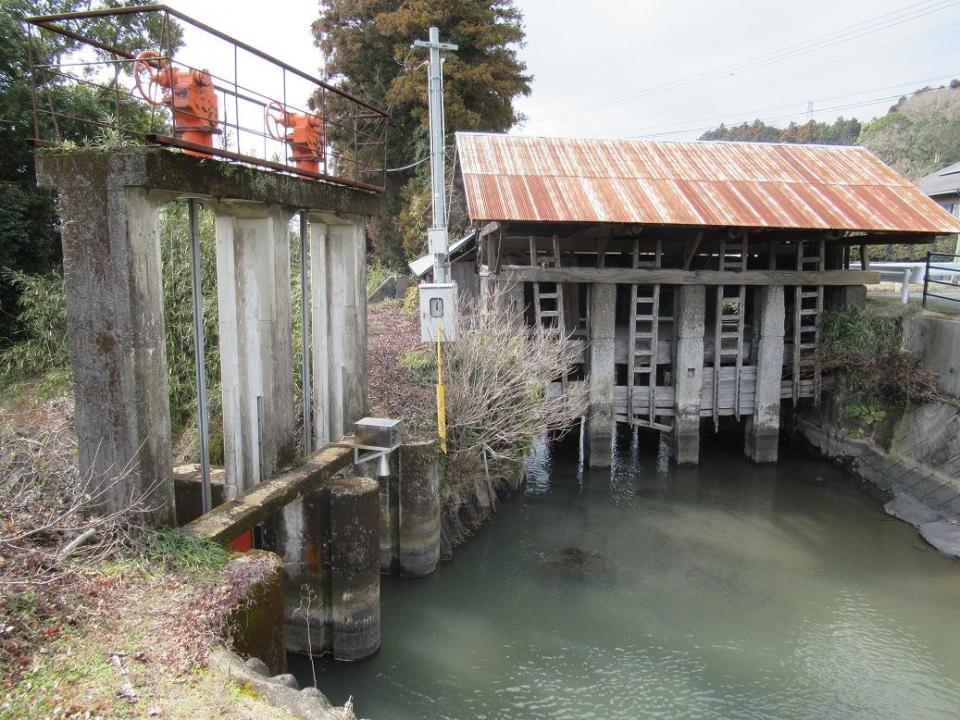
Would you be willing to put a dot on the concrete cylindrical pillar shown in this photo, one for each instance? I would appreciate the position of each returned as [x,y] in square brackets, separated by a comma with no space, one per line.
[419,491]
[355,567]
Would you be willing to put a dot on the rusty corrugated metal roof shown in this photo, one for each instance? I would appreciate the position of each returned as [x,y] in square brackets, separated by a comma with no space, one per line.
[726,184]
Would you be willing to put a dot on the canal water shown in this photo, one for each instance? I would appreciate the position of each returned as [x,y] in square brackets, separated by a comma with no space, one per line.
[648,591]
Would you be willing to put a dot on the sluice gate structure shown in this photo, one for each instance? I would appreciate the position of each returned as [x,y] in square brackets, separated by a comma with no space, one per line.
[693,274]
[263,147]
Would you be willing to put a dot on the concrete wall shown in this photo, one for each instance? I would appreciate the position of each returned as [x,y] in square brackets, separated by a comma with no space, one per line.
[936,339]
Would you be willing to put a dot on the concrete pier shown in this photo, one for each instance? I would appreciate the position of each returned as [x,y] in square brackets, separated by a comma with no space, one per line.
[689,313]
[603,300]
[418,547]
[256,358]
[355,568]
[112,280]
[762,429]
[338,300]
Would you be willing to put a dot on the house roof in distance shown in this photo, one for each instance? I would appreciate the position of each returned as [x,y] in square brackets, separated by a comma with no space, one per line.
[718,184]
[945,181]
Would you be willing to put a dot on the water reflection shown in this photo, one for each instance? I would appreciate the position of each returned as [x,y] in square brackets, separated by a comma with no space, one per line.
[725,591]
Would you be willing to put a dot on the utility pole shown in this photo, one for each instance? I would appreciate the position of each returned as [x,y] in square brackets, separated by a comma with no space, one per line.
[437,235]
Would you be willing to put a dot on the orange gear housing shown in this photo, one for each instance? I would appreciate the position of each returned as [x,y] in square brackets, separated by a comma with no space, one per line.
[302,132]
[188,93]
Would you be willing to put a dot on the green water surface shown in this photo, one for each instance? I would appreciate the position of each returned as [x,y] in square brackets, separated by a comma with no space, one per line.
[649,591]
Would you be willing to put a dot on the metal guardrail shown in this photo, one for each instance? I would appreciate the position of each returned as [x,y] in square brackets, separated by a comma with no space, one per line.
[251,89]
[951,269]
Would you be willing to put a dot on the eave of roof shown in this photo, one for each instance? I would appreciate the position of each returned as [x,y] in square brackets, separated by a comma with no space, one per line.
[744,185]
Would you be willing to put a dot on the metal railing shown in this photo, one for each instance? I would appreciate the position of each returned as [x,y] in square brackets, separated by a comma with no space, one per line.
[950,270]
[73,66]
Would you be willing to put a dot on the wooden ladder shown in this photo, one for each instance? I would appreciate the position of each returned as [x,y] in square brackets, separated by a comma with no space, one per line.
[548,297]
[548,301]
[644,332]
[807,315]
[728,324]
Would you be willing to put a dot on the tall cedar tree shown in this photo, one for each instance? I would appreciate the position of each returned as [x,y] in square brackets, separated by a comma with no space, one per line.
[367,47]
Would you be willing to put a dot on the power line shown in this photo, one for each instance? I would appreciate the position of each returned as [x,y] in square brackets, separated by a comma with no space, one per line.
[753,113]
[859,56]
[774,118]
[865,27]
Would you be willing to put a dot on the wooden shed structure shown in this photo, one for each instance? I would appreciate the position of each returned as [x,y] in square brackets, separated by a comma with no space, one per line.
[695,273]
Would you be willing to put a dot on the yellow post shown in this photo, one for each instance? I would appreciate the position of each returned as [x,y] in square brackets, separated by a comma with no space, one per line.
[441,399]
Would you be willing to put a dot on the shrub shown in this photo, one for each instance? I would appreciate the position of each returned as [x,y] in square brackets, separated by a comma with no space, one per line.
[866,346]
[376,274]
[411,301]
[43,316]
[500,375]
[418,360]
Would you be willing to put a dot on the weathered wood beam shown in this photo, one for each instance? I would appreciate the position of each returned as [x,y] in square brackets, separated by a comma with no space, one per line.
[641,276]
[255,505]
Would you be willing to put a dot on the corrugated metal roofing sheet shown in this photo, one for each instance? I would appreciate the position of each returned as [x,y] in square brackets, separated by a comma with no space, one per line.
[726,184]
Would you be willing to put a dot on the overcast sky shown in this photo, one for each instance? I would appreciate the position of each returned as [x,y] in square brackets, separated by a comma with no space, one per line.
[668,69]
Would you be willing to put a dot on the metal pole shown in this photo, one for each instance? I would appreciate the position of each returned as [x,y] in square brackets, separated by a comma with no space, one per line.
[438,232]
[926,280]
[305,338]
[199,355]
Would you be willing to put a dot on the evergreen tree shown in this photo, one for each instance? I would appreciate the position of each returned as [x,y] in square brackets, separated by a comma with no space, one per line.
[367,47]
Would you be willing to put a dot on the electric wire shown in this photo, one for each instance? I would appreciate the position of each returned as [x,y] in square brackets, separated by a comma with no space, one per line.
[869,26]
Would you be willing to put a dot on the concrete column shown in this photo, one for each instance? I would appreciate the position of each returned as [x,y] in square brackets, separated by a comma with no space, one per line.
[419,496]
[320,328]
[114,294]
[301,536]
[355,568]
[339,300]
[603,305]
[689,314]
[763,427]
[256,358]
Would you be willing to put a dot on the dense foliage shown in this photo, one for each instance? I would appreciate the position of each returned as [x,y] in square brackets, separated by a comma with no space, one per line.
[367,47]
[918,135]
[841,132]
[29,240]
[866,347]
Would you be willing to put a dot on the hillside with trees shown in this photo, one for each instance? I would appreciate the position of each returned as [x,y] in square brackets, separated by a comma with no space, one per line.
[917,135]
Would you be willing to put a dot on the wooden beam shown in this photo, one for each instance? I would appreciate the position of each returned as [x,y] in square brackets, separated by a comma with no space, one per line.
[642,276]
[255,505]
[491,227]
[691,251]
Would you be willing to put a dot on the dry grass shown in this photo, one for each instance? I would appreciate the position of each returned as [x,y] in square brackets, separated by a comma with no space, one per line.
[134,647]
[119,627]
[393,390]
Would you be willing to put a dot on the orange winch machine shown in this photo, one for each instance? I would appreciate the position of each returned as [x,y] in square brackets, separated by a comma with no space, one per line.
[188,93]
[301,131]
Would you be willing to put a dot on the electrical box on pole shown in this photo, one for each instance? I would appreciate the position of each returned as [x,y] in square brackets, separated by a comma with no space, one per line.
[437,240]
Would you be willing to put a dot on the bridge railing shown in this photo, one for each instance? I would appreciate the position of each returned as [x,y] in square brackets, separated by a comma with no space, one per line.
[88,90]
[942,270]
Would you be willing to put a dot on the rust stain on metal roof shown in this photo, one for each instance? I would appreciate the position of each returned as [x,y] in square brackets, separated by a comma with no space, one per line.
[726,184]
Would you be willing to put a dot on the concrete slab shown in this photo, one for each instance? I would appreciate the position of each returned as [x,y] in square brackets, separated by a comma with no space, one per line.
[911,510]
[944,536]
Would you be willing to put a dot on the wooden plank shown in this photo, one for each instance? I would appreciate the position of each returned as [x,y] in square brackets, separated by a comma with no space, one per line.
[255,505]
[643,276]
